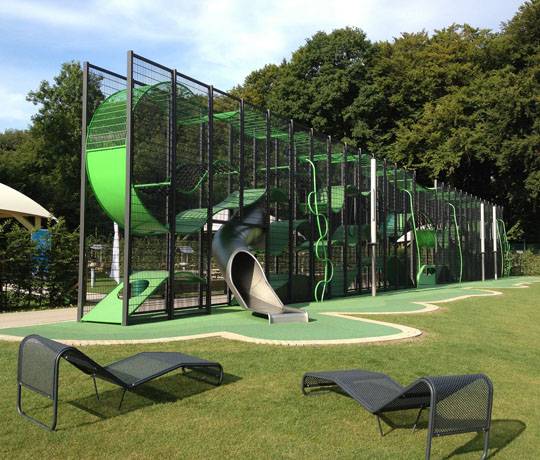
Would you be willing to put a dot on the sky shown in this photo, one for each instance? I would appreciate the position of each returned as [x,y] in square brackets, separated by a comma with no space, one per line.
[217,41]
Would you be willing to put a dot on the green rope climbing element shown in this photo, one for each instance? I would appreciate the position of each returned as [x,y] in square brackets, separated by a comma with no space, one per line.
[321,248]
[458,237]
[414,231]
[505,247]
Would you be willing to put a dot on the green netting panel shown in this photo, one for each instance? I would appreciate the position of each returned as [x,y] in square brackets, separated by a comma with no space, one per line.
[353,237]
[279,235]
[426,238]
[337,198]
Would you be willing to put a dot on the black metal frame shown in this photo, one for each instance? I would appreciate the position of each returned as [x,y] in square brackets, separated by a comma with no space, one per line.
[383,395]
[81,293]
[386,256]
[93,369]
[53,397]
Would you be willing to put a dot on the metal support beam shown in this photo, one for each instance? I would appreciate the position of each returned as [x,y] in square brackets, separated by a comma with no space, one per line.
[210,198]
[267,149]
[81,293]
[494,238]
[127,208]
[291,204]
[171,200]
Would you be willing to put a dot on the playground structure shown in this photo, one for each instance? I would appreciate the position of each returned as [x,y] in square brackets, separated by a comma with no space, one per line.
[275,213]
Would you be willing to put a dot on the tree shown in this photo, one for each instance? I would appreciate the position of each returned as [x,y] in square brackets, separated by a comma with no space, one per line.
[319,82]
[258,85]
[406,75]
[57,130]
[44,162]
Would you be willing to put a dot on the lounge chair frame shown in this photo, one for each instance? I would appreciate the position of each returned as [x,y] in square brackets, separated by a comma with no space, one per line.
[39,363]
[457,403]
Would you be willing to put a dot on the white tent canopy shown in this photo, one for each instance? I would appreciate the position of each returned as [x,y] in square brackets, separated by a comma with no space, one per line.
[18,206]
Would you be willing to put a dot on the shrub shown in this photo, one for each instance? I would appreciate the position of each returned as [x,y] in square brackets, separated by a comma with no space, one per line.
[525,263]
[33,276]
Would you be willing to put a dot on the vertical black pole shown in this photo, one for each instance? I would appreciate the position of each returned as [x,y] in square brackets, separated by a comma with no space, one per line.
[384,208]
[483,240]
[241,162]
[494,238]
[277,186]
[267,149]
[408,224]
[210,201]
[171,199]
[291,213]
[415,211]
[344,217]
[255,155]
[230,159]
[397,222]
[201,197]
[230,149]
[81,294]
[360,223]
[312,230]
[127,207]
[329,207]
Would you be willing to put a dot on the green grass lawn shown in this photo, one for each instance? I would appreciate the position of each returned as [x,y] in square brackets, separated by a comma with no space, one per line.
[260,412]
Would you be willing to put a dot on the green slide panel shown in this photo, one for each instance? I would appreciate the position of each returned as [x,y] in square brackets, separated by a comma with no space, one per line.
[106,160]
[143,285]
[193,220]
[106,169]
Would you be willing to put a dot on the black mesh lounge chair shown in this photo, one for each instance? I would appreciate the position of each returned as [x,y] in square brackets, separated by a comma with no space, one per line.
[39,360]
[457,403]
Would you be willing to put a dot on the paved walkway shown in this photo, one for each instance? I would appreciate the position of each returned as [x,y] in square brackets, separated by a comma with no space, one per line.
[32,318]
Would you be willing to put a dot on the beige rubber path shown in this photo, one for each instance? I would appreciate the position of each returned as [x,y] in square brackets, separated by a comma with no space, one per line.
[32,318]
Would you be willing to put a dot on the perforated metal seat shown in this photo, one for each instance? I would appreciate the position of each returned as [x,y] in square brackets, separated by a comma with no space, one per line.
[457,403]
[39,360]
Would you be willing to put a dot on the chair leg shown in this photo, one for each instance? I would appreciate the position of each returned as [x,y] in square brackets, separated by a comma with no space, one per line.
[52,426]
[486,445]
[417,418]
[380,426]
[122,399]
[428,445]
[95,386]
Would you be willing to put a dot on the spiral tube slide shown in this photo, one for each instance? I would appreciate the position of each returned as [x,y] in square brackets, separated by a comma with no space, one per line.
[243,272]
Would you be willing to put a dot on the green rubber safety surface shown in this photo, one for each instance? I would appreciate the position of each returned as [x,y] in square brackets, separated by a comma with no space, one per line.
[239,321]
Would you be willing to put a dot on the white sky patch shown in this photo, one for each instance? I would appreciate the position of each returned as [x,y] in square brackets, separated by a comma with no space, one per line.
[217,41]
[14,109]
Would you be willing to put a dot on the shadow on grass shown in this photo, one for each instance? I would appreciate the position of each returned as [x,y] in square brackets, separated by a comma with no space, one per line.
[502,433]
[164,390]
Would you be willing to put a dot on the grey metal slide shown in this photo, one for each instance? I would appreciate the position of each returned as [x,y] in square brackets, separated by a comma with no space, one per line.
[243,272]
